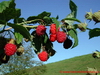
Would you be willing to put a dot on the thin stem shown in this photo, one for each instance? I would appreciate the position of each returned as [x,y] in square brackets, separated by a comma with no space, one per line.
[30,26]
[8,28]
[26,25]
[23,26]
[29,21]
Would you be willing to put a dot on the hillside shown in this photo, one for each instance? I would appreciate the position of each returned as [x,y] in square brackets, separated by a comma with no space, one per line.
[79,63]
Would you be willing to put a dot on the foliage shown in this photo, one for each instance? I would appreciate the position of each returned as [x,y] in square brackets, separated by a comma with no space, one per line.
[20,28]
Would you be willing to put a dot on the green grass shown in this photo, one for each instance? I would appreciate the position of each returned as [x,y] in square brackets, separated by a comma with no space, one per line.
[79,63]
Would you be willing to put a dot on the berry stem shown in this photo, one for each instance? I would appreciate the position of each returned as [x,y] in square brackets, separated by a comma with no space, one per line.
[12,41]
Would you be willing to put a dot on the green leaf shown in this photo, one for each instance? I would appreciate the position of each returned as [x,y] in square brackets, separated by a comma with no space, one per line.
[39,41]
[45,36]
[75,26]
[18,20]
[36,42]
[1,25]
[73,13]
[8,11]
[17,13]
[49,44]
[4,5]
[73,34]
[33,18]
[47,20]
[57,17]
[73,19]
[18,37]
[46,42]
[56,22]
[43,14]
[94,33]
[22,30]
[73,7]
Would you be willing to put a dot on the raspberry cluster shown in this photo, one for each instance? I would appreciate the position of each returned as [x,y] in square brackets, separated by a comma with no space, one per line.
[43,56]
[40,30]
[10,48]
[53,32]
[61,36]
[53,28]
[53,37]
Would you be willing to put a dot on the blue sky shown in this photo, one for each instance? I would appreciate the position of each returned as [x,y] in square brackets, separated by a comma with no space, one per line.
[61,8]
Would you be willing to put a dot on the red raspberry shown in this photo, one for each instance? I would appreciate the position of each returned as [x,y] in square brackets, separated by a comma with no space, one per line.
[61,36]
[10,49]
[53,28]
[40,30]
[53,37]
[43,56]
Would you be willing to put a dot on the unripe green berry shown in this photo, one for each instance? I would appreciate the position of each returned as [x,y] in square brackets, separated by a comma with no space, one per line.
[96,17]
[82,26]
[70,27]
[88,16]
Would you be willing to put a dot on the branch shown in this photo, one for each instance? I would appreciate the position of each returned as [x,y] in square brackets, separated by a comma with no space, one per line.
[29,21]
[23,26]
[8,28]
[26,23]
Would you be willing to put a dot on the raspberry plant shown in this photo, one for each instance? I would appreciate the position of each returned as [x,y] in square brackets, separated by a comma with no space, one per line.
[33,29]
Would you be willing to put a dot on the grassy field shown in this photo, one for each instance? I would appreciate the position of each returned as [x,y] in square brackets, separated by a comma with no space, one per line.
[79,63]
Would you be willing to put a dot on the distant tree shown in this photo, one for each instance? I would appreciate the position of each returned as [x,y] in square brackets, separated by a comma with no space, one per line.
[17,63]
[37,70]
